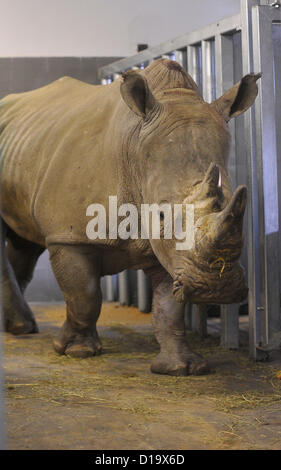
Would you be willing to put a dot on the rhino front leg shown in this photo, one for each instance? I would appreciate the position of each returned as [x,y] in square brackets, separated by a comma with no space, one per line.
[77,272]
[175,357]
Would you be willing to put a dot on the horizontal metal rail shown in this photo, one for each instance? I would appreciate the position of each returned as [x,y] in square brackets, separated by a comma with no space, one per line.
[225,26]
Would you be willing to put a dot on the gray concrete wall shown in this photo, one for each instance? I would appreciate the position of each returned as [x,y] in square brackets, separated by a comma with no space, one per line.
[23,74]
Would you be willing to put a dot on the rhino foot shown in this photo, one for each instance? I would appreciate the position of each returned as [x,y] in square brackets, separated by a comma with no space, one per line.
[191,364]
[20,326]
[77,345]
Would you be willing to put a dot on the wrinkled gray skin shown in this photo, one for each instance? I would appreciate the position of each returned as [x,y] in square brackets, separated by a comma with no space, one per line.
[70,144]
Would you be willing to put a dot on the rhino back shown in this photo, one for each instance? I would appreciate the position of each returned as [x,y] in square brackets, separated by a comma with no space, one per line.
[57,156]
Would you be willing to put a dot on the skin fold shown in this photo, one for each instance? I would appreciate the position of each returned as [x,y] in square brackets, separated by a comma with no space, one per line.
[149,137]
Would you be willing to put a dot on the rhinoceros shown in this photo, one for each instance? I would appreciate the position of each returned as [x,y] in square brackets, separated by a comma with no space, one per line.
[149,137]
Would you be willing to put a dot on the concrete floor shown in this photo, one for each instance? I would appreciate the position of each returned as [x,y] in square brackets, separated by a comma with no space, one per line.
[114,402]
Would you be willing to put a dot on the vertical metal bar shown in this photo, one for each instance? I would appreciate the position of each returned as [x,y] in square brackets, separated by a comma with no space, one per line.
[241,160]
[179,57]
[182,55]
[229,326]
[277,75]
[110,289]
[194,67]
[144,292]
[224,81]
[207,71]
[124,288]
[194,64]
[267,176]
[199,320]
[253,219]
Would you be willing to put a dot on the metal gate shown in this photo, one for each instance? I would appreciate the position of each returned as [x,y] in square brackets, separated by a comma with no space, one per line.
[217,56]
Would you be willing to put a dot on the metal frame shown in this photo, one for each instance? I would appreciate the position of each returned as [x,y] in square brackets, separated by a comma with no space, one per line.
[192,38]
[216,57]
[267,175]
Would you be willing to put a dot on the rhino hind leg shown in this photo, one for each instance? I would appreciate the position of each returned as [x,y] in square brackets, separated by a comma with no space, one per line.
[17,255]
[77,272]
[175,357]
[23,256]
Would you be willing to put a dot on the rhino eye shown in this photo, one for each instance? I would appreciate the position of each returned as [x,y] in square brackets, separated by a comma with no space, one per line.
[216,206]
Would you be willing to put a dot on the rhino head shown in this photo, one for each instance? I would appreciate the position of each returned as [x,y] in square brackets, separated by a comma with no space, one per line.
[180,155]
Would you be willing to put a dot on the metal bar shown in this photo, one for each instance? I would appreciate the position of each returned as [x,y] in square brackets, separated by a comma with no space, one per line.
[207,71]
[110,289]
[220,27]
[224,81]
[194,64]
[144,292]
[199,320]
[240,156]
[267,175]
[253,219]
[277,70]
[181,58]
[124,288]
[229,327]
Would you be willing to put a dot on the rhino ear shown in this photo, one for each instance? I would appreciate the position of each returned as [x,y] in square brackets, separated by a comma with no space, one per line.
[239,98]
[136,93]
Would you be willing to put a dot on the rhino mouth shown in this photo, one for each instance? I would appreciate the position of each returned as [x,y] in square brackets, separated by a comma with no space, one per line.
[211,272]
[212,285]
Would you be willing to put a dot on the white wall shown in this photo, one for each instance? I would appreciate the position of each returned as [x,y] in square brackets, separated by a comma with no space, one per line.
[100,27]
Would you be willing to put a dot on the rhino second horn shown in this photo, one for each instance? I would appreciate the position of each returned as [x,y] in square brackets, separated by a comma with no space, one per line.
[230,220]
[211,181]
[236,206]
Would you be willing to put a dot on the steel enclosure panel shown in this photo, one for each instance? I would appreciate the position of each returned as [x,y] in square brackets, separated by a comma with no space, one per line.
[253,220]
[267,171]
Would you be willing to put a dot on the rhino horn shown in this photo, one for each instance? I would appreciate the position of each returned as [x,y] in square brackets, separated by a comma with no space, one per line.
[236,206]
[230,220]
[211,185]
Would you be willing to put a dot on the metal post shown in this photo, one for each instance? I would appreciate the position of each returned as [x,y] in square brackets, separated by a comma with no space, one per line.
[229,326]
[124,288]
[277,68]
[224,81]
[144,292]
[181,58]
[267,175]
[194,64]
[207,71]
[253,215]
[110,288]
[199,320]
